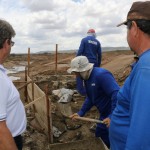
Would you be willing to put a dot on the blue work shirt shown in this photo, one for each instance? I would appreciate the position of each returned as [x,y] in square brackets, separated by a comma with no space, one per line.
[91,48]
[129,127]
[101,88]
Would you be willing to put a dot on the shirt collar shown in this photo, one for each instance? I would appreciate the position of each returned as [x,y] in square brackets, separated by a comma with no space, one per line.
[147,51]
[2,68]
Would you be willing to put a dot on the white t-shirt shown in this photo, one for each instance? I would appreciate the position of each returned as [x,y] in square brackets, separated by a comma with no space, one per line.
[11,107]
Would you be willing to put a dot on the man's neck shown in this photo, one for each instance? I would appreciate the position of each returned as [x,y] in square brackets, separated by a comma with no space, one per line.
[144,44]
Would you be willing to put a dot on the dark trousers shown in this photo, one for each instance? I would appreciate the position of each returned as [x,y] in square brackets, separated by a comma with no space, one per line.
[103,132]
[18,141]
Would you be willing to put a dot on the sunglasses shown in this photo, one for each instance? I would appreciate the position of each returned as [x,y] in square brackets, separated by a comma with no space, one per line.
[129,24]
[141,23]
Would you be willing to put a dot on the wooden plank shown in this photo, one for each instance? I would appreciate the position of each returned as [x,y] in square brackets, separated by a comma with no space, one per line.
[33,102]
[23,86]
[91,143]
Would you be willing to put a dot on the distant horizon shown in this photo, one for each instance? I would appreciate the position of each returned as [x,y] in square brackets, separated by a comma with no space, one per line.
[104,49]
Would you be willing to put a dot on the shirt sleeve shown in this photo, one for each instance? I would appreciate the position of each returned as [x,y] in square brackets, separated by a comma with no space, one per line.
[139,130]
[81,48]
[4,95]
[99,54]
[87,105]
[110,87]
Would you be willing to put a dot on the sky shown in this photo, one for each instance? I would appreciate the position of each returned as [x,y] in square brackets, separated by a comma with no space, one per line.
[41,24]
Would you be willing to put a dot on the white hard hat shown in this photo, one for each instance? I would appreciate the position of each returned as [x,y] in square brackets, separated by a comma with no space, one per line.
[80,64]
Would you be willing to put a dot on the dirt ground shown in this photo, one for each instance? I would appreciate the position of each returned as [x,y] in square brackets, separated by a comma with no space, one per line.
[44,71]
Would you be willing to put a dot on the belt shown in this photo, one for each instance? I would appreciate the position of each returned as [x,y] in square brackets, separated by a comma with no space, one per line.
[17,137]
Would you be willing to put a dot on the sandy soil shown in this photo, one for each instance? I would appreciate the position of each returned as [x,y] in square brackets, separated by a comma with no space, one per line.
[44,71]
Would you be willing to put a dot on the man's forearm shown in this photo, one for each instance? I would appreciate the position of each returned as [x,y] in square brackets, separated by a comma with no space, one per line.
[6,140]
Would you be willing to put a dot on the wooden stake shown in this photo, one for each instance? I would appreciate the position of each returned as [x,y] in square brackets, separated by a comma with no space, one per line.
[34,108]
[25,90]
[56,58]
[49,117]
[28,61]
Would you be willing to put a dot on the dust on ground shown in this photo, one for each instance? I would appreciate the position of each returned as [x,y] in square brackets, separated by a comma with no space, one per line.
[44,71]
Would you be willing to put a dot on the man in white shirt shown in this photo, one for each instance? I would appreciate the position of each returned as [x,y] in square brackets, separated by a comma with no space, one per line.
[12,112]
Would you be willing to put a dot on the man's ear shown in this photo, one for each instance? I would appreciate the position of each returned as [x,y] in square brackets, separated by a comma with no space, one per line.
[134,29]
[8,41]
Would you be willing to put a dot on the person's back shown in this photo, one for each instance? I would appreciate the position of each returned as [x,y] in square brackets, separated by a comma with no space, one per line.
[91,48]
[100,93]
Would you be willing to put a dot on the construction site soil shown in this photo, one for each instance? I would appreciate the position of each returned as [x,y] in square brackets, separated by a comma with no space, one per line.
[44,72]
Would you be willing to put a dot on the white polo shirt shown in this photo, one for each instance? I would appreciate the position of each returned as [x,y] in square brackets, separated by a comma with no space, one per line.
[11,107]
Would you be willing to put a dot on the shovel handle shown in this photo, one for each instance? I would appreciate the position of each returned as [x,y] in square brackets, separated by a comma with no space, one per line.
[88,119]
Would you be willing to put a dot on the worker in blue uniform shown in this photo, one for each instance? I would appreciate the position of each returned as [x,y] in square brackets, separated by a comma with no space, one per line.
[91,48]
[129,127]
[101,89]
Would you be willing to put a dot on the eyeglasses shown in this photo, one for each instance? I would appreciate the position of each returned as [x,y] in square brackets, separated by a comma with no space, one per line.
[12,43]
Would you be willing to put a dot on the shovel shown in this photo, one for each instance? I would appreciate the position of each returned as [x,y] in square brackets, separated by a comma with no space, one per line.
[66,111]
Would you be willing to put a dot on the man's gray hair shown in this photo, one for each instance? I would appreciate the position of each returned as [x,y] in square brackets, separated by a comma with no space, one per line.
[6,32]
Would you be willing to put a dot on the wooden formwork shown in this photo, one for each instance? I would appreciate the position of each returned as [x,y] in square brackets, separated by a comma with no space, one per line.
[40,104]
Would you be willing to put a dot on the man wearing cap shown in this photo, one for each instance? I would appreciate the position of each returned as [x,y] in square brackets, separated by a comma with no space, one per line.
[91,48]
[101,90]
[129,127]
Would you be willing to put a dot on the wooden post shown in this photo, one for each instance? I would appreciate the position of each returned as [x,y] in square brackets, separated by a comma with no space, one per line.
[26,91]
[32,90]
[49,116]
[56,58]
[28,61]
[34,108]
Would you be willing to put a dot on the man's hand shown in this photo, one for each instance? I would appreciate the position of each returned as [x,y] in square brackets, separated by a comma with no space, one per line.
[73,116]
[107,122]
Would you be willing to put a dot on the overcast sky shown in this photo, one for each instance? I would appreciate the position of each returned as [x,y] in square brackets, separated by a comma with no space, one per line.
[40,24]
